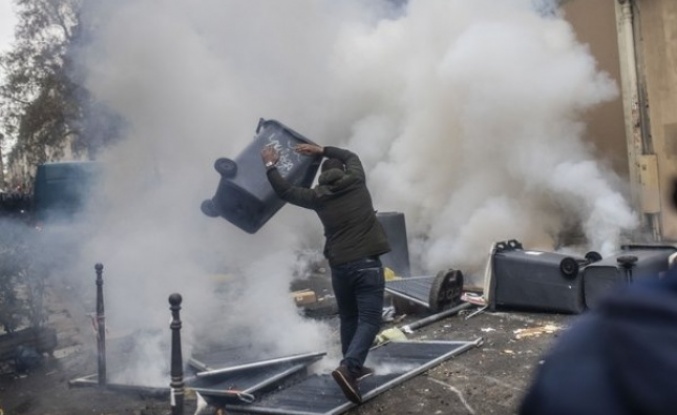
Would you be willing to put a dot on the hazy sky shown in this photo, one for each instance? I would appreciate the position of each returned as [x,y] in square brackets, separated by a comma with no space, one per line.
[7,22]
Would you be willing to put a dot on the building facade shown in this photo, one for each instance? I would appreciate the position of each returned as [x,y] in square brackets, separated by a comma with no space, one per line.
[635,41]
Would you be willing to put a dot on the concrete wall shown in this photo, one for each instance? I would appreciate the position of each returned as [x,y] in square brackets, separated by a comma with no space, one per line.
[595,24]
[657,50]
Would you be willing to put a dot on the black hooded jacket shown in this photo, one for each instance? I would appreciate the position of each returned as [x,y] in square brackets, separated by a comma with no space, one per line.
[343,203]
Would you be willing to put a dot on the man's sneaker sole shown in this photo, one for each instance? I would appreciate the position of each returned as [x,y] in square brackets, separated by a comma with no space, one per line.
[350,393]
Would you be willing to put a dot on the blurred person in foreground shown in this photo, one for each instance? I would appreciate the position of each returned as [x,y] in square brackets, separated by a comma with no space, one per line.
[354,241]
[619,358]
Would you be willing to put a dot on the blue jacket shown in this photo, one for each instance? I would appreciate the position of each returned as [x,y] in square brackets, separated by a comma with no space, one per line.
[620,358]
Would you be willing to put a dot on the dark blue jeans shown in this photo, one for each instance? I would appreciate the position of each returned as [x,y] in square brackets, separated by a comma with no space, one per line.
[358,287]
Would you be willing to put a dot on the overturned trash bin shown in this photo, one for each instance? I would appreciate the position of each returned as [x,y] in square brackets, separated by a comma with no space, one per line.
[537,280]
[631,263]
[244,196]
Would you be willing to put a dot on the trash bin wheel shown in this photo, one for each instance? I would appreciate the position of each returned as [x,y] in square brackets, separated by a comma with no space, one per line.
[569,267]
[225,167]
[593,256]
[627,261]
[446,290]
[207,207]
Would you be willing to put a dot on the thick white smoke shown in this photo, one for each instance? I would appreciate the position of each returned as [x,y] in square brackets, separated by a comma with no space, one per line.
[475,108]
[466,114]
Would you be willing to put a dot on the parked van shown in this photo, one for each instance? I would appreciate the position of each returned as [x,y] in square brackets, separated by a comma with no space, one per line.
[61,189]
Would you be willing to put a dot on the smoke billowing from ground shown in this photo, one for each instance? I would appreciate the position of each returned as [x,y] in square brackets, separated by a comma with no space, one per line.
[476,107]
[466,115]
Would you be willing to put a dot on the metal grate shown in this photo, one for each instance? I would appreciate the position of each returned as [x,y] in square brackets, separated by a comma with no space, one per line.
[242,386]
[416,289]
[230,376]
[395,362]
[223,357]
[234,360]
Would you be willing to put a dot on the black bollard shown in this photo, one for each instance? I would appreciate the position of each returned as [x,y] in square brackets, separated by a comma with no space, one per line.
[100,325]
[176,385]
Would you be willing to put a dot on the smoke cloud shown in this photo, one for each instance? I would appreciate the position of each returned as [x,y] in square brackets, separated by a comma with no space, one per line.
[476,108]
[467,115]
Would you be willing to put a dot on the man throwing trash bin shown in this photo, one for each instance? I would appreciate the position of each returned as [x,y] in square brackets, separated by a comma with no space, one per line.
[354,241]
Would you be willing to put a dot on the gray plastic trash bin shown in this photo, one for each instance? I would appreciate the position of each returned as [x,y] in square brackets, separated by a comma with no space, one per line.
[633,262]
[537,280]
[244,196]
[395,228]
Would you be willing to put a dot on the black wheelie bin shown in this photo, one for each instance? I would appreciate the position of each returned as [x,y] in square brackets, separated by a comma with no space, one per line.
[633,262]
[244,196]
[537,280]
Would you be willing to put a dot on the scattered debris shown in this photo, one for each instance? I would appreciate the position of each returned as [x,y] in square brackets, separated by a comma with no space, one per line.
[474,298]
[27,358]
[476,312]
[391,334]
[67,351]
[304,297]
[536,331]
[390,275]
[409,328]
[388,314]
